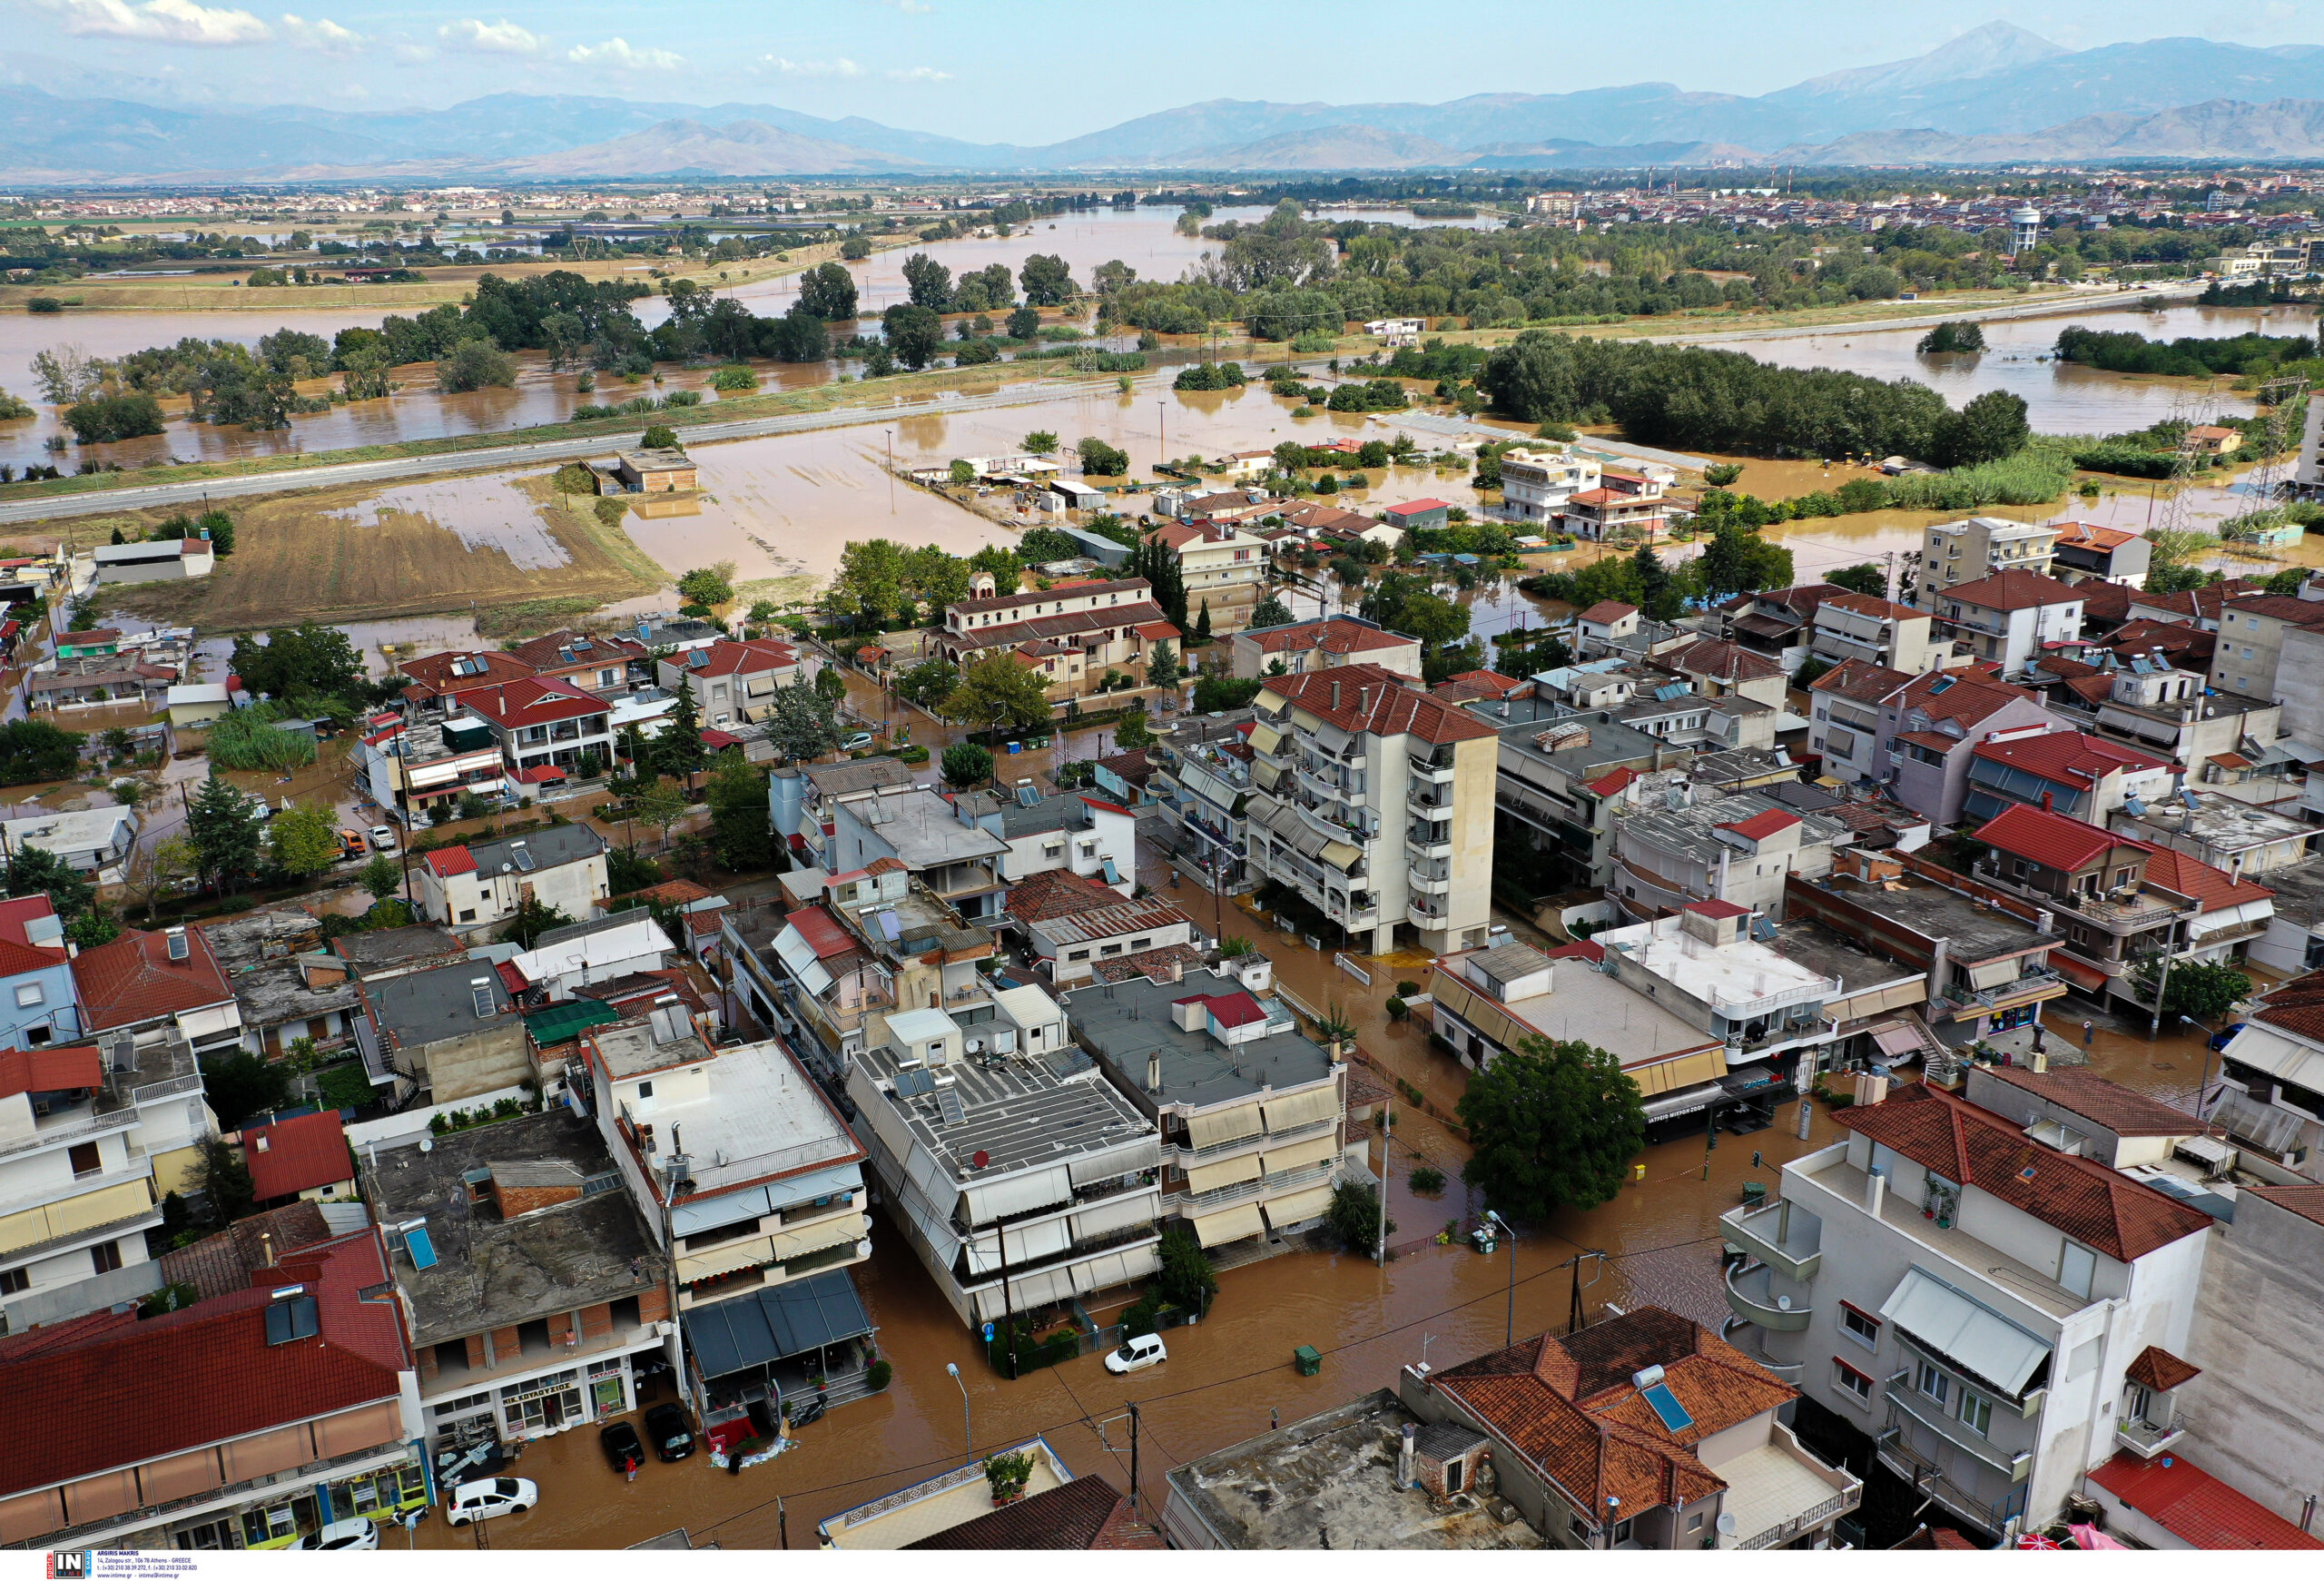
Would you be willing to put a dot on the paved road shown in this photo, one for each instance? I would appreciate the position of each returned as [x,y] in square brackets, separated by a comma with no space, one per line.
[135,497]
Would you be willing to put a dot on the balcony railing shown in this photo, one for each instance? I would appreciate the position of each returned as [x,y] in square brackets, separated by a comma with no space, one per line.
[2144,1439]
[1806,1521]
[1750,1298]
[1783,1235]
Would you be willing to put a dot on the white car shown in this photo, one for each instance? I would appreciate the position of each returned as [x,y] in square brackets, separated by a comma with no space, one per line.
[477,1501]
[1143,1351]
[345,1536]
[382,837]
[857,742]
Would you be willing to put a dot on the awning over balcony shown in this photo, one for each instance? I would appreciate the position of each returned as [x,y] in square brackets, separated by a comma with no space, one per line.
[1316,1150]
[1299,1206]
[1286,1111]
[1225,1173]
[1342,857]
[1223,1126]
[1975,1335]
[2087,978]
[1230,1224]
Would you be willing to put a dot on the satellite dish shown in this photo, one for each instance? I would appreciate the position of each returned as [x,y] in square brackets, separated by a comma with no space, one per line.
[426,1144]
[1728,1525]
[979,1158]
[1783,1304]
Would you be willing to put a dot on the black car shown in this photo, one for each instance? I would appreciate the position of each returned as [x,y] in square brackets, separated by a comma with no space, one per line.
[666,1431]
[622,1449]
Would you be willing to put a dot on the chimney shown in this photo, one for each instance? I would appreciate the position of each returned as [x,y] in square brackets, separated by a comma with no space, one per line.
[266,1246]
[1335,696]
[1876,1191]
[1404,1455]
[2045,801]
[1154,1072]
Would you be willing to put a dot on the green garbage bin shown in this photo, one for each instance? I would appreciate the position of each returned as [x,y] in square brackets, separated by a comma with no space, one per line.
[1755,1192]
[1310,1360]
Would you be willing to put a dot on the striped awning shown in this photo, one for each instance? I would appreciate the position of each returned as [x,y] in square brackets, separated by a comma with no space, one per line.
[1225,1173]
[1316,1150]
[1289,1110]
[1298,1207]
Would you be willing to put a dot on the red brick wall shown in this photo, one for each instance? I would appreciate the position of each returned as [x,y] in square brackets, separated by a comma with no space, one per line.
[653,1305]
[519,1200]
[475,1343]
[596,1321]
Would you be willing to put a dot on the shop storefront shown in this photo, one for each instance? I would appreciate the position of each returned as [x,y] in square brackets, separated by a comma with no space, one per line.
[533,1407]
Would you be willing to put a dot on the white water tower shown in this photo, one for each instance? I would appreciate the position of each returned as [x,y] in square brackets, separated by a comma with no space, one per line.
[2025,229]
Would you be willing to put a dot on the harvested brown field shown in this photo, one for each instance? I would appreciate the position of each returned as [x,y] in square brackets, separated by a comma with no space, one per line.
[332,555]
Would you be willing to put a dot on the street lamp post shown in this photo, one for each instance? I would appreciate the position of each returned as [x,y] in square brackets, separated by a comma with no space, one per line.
[1508,1335]
[2203,1088]
[967,1436]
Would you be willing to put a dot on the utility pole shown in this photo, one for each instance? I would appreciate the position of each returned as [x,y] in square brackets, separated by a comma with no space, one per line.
[891,470]
[1133,1460]
[1574,1318]
[1007,1308]
[1387,1138]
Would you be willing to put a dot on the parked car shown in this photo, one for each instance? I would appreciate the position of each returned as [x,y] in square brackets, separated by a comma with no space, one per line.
[382,837]
[622,1447]
[345,1536]
[478,1501]
[351,845]
[666,1431]
[1143,1351]
[856,742]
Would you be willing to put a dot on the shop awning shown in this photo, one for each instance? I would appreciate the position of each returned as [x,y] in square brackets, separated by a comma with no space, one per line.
[1298,1207]
[1232,1224]
[2087,978]
[770,1324]
[1979,1338]
[1896,1041]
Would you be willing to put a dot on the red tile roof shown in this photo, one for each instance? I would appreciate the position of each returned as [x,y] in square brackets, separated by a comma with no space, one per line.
[574,649]
[726,658]
[2068,758]
[2211,889]
[2007,590]
[1233,1010]
[1964,698]
[2100,1209]
[133,979]
[2308,1202]
[1718,660]
[1607,784]
[533,702]
[1860,680]
[1085,1512]
[1942,1538]
[2157,1369]
[112,1390]
[1042,897]
[2051,838]
[450,861]
[1334,635]
[1568,1405]
[49,1069]
[2079,1090]
[436,671]
[2195,1507]
[1137,585]
[1588,950]
[1606,611]
[18,914]
[1773,821]
[2104,603]
[1414,507]
[1719,910]
[1878,609]
[2089,535]
[2277,607]
[823,933]
[292,1156]
[1364,697]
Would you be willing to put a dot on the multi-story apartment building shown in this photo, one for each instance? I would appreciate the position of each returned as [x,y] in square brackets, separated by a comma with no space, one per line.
[801,797]
[1978,546]
[409,767]
[748,1178]
[1077,928]
[2145,703]
[2253,636]
[1538,482]
[1082,835]
[1928,730]
[436,681]
[2270,1097]
[2008,619]
[1201,785]
[543,725]
[472,889]
[1562,779]
[2120,903]
[1098,626]
[1843,725]
[1324,643]
[872,942]
[938,841]
[2080,775]
[1985,953]
[1967,1298]
[1020,1175]
[473,1222]
[734,681]
[1742,849]
[1897,636]
[1778,622]
[1632,506]
[261,1415]
[1223,568]
[1375,801]
[1250,1110]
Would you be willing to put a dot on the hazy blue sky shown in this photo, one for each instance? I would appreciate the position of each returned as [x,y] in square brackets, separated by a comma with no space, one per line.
[1035,71]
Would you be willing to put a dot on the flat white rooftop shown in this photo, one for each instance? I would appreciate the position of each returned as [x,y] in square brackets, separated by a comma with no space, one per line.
[1744,975]
[763,1116]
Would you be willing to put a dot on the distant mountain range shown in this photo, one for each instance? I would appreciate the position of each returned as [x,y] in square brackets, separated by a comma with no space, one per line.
[1998,94]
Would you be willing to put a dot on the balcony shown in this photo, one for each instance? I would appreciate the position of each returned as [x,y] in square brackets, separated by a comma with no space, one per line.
[1427,772]
[1751,1298]
[1425,885]
[1331,828]
[1427,921]
[1431,843]
[2016,1465]
[1331,790]
[1780,1493]
[2144,1439]
[1787,1238]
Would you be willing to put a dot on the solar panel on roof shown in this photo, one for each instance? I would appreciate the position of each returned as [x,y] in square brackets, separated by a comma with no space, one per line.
[891,926]
[1027,797]
[1666,1406]
[422,1249]
[915,1084]
[948,1104]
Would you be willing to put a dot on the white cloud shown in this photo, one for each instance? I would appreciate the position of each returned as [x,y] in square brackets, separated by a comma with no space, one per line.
[407,54]
[320,33]
[617,52]
[161,21]
[840,67]
[501,37]
[919,74]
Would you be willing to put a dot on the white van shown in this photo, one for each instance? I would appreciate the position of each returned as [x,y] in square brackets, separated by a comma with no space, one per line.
[1143,1351]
